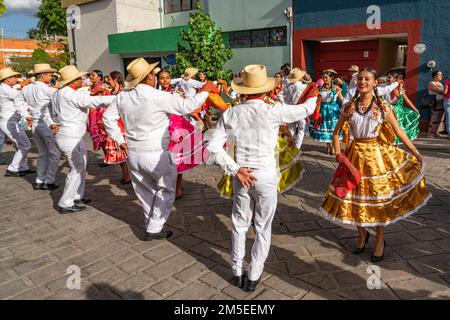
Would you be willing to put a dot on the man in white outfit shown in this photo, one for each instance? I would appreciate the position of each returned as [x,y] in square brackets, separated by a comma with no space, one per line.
[38,95]
[291,95]
[69,112]
[10,123]
[252,127]
[187,84]
[145,112]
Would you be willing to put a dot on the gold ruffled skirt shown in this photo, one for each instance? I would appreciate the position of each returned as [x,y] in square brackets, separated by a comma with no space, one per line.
[392,187]
[291,170]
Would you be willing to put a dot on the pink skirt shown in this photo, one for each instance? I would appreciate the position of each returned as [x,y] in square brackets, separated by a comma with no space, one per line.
[186,144]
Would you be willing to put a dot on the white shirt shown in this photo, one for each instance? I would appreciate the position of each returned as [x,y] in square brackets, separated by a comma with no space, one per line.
[352,87]
[69,109]
[252,127]
[38,96]
[189,86]
[292,92]
[8,109]
[145,112]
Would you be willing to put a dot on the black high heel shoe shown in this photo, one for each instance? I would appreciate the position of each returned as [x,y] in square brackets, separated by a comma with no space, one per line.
[366,241]
[375,258]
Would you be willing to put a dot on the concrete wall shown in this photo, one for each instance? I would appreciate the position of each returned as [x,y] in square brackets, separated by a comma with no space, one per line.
[98,19]
[137,15]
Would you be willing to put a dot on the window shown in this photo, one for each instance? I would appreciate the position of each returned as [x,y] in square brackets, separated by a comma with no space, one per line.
[270,37]
[240,39]
[172,6]
[278,36]
[260,38]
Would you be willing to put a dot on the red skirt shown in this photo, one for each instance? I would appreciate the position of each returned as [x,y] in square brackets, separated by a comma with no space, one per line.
[113,153]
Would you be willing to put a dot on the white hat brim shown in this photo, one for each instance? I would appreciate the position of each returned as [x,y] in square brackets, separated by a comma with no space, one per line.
[239,87]
[45,71]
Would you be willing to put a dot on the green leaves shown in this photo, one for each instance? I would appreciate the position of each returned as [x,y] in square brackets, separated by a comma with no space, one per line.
[52,18]
[203,47]
[2,7]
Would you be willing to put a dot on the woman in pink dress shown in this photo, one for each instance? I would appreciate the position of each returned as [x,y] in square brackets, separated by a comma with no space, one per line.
[186,142]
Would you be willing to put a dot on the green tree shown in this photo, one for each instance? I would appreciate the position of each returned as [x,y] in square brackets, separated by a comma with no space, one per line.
[2,7]
[63,59]
[52,18]
[22,64]
[34,33]
[202,47]
[40,56]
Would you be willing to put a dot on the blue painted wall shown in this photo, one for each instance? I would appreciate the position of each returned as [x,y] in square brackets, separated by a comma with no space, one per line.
[435,16]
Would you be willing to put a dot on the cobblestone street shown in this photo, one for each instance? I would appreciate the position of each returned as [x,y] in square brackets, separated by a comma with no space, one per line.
[310,258]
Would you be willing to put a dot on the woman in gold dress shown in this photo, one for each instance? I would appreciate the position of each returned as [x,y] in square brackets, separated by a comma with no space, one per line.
[392,186]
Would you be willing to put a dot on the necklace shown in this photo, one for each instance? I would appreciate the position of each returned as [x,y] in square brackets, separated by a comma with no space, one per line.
[364,109]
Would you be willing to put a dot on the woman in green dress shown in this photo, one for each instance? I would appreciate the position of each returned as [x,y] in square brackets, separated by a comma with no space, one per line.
[407,114]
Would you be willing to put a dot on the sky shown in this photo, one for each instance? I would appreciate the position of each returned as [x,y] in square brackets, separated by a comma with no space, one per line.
[19,17]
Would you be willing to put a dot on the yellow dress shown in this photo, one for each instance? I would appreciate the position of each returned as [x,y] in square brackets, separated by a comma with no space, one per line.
[290,166]
[392,186]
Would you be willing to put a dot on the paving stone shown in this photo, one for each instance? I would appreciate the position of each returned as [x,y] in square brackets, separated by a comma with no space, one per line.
[194,291]
[49,273]
[170,266]
[135,264]
[12,288]
[32,265]
[191,273]
[431,264]
[417,287]
[109,276]
[161,253]
[136,283]
[166,287]
[38,293]
[287,286]
[269,294]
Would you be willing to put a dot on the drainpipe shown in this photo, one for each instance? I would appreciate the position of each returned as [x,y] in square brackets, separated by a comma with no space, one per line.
[161,14]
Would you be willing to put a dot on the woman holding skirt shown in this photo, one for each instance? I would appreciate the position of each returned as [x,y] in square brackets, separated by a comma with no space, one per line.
[390,184]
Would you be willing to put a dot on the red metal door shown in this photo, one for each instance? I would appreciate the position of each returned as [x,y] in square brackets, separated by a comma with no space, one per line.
[341,55]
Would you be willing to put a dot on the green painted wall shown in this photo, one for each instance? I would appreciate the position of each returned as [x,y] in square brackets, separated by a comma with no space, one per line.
[273,58]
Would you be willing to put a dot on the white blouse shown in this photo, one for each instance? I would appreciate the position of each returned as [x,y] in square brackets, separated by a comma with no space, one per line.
[365,126]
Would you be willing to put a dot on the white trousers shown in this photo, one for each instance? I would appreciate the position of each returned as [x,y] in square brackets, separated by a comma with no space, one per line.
[153,175]
[298,130]
[261,199]
[2,140]
[49,154]
[75,151]
[12,129]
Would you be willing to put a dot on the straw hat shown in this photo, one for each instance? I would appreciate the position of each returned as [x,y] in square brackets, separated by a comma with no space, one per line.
[295,75]
[138,69]
[69,74]
[307,78]
[330,71]
[353,68]
[156,70]
[254,80]
[42,68]
[190,73]
[8,73]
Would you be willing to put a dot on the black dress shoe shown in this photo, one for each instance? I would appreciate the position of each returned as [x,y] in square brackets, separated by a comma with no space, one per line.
[239,281]
[71,209]
[84,201]
[38,186]
[28,171]
[361,250]
[164,234]
[14,174]
[375,258]
[250,285]
[50,186]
